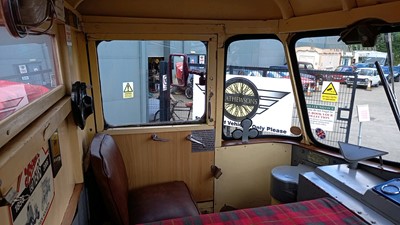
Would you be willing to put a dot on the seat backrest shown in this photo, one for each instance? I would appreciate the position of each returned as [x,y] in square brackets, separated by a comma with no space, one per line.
[109,171]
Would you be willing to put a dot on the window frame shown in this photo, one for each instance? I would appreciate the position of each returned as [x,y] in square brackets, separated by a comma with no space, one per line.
[211,47]
[297,78]
[302,100]
[320,147]
[19,120]
[241,37]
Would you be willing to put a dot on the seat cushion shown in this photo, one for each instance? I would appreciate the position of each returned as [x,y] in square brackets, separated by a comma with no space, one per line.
[109,170]
[160,202]
[317,211]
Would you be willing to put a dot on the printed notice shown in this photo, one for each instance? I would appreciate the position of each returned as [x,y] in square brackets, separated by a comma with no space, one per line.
[268,102]
[127,90]
[35,191]
[321,116]
[363,113]
[330,91]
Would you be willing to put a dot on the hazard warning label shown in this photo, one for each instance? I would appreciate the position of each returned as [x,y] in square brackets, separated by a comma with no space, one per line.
[127,90]
[330,91]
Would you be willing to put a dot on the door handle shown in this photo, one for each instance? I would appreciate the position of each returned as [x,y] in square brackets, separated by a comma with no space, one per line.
[194,140]
[154,137]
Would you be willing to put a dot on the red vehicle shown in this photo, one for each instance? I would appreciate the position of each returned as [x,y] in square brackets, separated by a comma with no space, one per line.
[340,77]
[181,76]
[15,95]
[308,82]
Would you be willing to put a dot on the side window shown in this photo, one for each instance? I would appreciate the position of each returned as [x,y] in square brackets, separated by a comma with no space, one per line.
[257,89]
[346,101]
[152,82]
[27,70]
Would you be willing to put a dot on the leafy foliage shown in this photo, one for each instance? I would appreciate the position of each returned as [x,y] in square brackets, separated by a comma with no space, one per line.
[381,46]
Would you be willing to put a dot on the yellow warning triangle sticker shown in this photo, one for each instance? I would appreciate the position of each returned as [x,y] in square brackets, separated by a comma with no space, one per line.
[128,88]
[330,90]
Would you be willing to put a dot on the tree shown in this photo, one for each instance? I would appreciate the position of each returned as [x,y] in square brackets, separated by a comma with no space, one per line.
[381,46]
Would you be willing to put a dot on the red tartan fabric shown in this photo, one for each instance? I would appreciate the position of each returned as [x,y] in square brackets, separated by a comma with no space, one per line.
[322,211]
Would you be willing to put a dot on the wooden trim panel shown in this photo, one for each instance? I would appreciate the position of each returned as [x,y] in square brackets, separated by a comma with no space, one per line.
[150,162]
[15,123]
[19,151]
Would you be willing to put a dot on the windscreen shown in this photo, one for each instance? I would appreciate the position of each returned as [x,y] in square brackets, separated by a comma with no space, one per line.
[348,103]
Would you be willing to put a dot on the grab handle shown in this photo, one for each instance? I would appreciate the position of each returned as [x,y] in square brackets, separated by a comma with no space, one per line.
[209,106]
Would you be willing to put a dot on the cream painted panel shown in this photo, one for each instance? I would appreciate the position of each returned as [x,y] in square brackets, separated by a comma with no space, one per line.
[18,152]
[64,182]
[246,173]
[202,10]
[302,7]
[387,12]
[15,155]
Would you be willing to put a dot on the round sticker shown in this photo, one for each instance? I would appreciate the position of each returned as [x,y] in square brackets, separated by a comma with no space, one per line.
[320,133]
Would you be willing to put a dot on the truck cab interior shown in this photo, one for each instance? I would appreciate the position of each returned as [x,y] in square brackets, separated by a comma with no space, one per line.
[209,112]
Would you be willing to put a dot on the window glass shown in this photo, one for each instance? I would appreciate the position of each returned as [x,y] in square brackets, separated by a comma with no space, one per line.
[152,82]
[258,93]
[347,102]
[26,70]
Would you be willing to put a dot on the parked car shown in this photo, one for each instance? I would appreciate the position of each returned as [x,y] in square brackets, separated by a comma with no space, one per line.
[278,72]
[396,73]
[344,69]
[339,74]
[307,80]
[365,76]
[364,65]
[306,66]
[386,72]
[350,69]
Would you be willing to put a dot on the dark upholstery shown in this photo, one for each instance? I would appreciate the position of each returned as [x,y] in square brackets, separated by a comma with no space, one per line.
[109,170]
[161,201]
[147,204]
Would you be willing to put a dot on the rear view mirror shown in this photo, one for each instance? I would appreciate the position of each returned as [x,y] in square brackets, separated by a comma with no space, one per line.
[179,73]
[178,70]
[363,32]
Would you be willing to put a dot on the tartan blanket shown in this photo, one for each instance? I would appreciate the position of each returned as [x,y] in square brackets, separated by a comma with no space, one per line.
[322,211]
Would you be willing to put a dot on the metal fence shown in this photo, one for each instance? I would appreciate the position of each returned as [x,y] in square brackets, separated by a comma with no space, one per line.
[313,82]
[342,103]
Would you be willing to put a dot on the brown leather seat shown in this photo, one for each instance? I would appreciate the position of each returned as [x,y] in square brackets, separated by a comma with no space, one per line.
[147,204]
